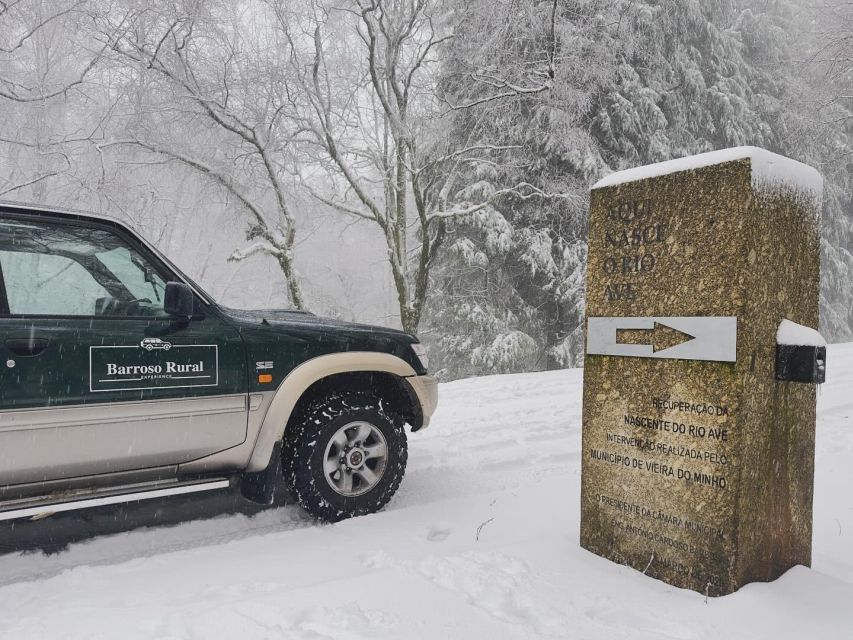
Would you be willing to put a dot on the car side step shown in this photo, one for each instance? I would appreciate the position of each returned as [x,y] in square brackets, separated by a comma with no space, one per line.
[46,506]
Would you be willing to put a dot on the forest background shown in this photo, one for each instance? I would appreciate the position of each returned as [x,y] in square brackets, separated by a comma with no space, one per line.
[424,164]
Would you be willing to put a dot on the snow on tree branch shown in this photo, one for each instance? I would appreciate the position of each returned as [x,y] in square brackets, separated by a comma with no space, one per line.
[239,255]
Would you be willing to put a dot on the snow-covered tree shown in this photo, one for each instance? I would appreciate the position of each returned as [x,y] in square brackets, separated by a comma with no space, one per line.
[509,288]
[47,60]
[215,90]
[829,144]
[365,97]
[691,76]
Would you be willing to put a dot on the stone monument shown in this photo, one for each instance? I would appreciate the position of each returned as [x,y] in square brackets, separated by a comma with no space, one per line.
[698,462]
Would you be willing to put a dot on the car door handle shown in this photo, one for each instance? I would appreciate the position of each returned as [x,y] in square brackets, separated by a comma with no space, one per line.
[27,346]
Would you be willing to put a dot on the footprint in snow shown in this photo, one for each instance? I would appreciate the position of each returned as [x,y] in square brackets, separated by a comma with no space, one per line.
[438,533]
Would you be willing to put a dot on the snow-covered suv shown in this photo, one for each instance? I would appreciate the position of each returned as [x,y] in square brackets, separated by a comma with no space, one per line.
[120,380]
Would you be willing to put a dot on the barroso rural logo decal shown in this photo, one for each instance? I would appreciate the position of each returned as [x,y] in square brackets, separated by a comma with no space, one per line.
[153,363]
[149,344]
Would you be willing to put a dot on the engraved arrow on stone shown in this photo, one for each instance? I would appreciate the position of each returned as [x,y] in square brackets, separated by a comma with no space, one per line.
[682,338]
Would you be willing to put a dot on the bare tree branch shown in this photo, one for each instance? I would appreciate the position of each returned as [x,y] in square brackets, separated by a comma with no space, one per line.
[28,183]
[43,23]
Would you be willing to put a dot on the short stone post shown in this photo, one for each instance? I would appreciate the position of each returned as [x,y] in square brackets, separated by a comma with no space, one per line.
[698,462]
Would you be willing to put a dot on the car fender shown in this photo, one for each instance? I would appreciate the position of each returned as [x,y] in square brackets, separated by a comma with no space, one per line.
[301,378]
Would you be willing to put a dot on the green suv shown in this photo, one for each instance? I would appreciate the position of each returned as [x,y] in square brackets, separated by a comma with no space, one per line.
[122,380]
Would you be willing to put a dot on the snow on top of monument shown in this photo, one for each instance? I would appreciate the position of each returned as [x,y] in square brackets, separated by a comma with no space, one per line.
[767,167]
[791,333]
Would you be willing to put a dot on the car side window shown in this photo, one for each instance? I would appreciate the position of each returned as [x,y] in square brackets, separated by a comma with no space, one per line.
[48,285]
[57,269]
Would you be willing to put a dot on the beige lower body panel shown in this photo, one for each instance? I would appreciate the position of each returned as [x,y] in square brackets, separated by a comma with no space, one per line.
[235,458]
[64,442]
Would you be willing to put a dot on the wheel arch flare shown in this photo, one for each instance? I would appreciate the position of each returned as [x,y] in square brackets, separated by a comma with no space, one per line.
[353,368]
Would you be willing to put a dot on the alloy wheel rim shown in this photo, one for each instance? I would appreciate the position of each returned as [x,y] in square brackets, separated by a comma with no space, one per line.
[355,459]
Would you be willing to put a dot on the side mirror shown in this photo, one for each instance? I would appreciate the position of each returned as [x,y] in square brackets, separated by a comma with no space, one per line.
[178,300]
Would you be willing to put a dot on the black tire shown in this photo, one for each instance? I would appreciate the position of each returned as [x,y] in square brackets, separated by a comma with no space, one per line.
[304,450]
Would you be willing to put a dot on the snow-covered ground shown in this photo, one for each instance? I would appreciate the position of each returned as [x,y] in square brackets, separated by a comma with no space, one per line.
[481,542]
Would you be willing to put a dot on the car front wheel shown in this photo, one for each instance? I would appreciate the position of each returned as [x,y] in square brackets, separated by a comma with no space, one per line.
[344,456]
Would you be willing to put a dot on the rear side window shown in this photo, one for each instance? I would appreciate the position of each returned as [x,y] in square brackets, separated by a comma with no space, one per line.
[67,270]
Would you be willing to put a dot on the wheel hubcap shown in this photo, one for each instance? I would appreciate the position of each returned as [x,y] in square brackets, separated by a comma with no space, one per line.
[355,459]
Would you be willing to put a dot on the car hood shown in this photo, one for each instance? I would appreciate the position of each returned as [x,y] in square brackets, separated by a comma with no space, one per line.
[291,318]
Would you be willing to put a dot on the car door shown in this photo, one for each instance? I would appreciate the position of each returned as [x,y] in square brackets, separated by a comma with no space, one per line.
[95,377]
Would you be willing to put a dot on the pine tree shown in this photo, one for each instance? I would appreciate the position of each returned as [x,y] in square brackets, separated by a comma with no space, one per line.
[508,292]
